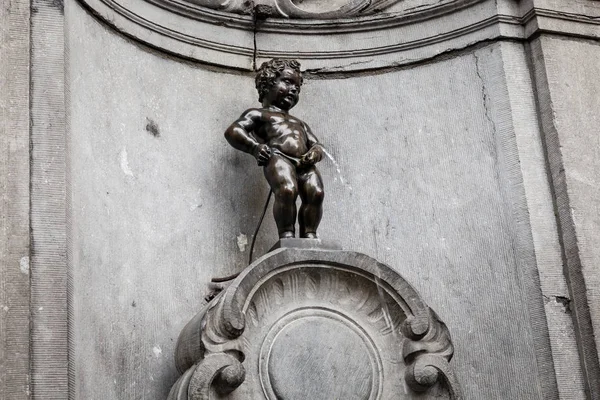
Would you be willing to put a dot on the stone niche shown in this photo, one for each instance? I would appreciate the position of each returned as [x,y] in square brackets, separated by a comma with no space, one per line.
[437,170]
[315,324]
[323,35]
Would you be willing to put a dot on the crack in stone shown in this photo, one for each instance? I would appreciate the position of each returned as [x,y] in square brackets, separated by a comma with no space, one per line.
[421,6]
[562,300]
[338,68]
[343,73]
[484,94]
[576,15]
[495,147]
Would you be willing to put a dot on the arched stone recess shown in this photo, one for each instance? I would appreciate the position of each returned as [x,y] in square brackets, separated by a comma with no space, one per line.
[316,324]
[342,35]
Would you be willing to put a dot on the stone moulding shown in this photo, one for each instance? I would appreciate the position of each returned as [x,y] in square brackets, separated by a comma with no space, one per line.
[301,8]
[318,324]
[226,39]
[398,35]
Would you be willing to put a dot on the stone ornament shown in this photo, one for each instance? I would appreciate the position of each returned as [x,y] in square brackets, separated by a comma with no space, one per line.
[327,36]
[315,324]
[300,8]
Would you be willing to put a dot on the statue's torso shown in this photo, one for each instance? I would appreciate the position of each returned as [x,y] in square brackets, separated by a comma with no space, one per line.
[285,133]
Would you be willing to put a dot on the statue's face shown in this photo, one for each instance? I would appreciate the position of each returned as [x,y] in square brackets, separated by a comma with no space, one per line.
[285,91]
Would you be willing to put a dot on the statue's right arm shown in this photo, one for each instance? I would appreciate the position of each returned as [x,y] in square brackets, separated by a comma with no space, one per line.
[239,133]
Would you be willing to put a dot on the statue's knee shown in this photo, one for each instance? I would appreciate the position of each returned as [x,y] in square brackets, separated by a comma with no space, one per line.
[316,195]
[287,193]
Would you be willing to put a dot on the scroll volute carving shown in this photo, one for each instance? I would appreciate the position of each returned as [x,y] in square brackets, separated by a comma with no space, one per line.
[316,324]
[301,8]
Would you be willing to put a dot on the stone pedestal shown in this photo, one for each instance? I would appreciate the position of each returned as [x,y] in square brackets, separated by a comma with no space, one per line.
[305,322]
[297,243]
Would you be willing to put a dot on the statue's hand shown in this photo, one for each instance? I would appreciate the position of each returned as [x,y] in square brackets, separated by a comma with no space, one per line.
[262,153]
[313,156]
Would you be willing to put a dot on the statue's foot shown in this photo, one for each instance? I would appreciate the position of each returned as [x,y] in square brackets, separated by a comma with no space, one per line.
[287,235]
[310,235]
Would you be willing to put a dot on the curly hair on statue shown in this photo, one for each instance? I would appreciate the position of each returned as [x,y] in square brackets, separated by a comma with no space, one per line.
[269,71]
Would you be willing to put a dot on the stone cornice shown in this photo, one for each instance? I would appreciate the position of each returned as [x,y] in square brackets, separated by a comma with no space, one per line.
[314,26]
[542,20]
[383,40]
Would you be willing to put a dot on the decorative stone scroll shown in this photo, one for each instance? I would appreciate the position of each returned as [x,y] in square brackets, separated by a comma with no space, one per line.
[324,35]
[317,9]
[315,324]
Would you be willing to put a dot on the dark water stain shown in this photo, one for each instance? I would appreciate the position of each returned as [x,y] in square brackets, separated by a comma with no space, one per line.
[152,128]
[36,5]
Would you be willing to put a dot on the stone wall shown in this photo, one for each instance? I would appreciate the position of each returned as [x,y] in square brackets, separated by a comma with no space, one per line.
[449,161]
[14,202]
[569,114]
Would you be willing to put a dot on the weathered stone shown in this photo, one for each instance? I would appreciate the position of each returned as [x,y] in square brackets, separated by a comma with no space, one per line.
[439,105]
[569,115]
[298,243]
[450,225]
[14,200]
[316,324]
[300,8]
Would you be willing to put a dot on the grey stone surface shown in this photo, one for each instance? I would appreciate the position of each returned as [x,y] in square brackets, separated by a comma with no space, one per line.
[14,200]
[159,214]
[470,225]
[146,157]
[297,9]
[539,230]
[565,71]
[306,244]
[404,32]
[316,324]
[48,227]
[563,17]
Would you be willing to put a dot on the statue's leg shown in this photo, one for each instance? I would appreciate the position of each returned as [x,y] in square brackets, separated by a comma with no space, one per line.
[281,175]
[311,192]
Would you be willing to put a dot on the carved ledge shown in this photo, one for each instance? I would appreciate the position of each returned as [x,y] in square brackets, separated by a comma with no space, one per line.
[313,9]
[214,36]
[318,324]
[343,36]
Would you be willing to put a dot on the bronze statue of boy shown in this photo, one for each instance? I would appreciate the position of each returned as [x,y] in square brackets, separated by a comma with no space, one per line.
[285,146]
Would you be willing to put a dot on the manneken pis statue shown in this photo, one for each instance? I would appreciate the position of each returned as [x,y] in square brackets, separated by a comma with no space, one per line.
[284,146]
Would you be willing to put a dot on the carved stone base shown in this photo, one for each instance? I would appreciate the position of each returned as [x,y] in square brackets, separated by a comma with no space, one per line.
[311,323]
[297,243]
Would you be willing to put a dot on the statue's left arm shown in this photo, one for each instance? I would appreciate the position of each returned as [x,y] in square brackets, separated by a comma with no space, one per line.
[315,149]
